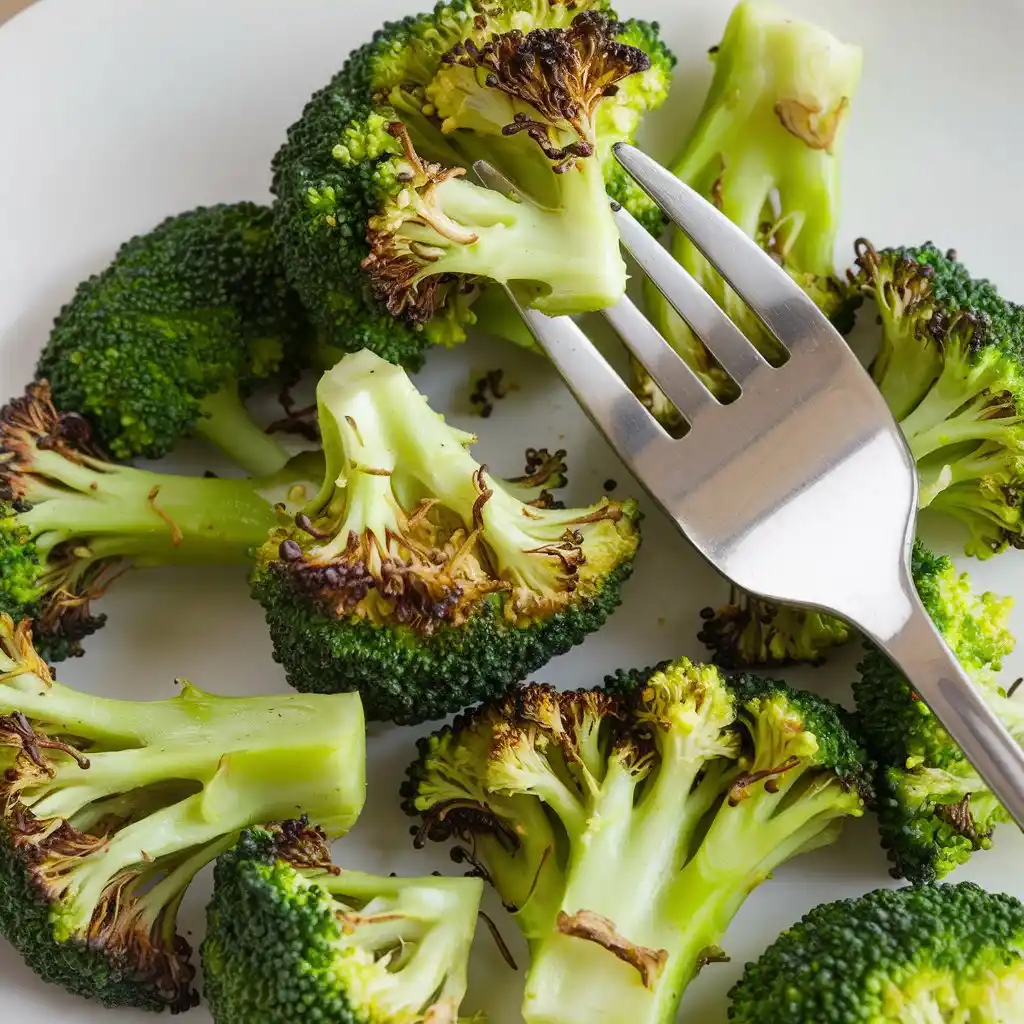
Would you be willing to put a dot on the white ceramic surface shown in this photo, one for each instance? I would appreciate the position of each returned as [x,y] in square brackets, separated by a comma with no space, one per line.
[114,113]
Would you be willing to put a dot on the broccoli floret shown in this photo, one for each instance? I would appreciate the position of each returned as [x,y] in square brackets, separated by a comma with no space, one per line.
[765,150]
[166,342]
[386,240]
[414,576]
[750,632]
[949,367]
[289,934]
[71,521]
[936,953]
[624,827]
[933,809]
[108,808]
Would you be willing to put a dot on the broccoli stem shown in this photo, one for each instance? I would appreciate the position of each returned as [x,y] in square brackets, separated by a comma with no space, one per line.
[227,425]
[907,364]
[574,250]
[954,410]
[740,849]
[154,518]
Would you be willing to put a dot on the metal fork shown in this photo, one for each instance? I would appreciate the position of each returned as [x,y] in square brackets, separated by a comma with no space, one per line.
[802,489]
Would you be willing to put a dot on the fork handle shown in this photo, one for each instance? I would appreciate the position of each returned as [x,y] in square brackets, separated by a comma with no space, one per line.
[938,679]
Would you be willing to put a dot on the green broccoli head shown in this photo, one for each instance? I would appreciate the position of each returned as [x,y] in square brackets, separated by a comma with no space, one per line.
[72,521]
[692,786]
[108,809]
[928,953]
[750,632]
[288,931]
[765,150]
[416,577]
[949,367]
[166,341]
[933,810]
[386,240]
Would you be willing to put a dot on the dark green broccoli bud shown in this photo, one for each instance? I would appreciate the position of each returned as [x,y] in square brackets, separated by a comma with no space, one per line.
[289,934]
[933,810]
[693,787]
[71,521]
[766,151]
[108,808]
[939,953]
[166,342]
[415,576]
[949,367]
[374,212]
[750,632]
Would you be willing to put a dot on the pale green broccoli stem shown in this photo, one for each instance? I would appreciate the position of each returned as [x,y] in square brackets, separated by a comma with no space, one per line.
[225,423]
[743,845]
[756,142]
[954,409]
[908,363]
[364,433]
[431,923]
[156,518]
[965,466]
[567,260]
[161,901]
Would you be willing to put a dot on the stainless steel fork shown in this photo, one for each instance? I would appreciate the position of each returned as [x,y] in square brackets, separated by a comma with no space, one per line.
[800,490]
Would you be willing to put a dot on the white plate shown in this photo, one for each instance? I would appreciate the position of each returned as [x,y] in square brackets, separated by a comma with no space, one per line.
[115,113]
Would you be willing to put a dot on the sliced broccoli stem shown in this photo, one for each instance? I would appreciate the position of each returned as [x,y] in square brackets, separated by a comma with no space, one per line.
[356,434]
[155,518]
[765,152]
[574,251]
[226,424]
[743,845]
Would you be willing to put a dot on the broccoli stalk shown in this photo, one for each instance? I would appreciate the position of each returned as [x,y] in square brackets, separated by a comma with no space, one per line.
[691,787]
[288,930]
[912,956]
[765,151]
[541,90]
[167,341]
[110,808]
[413,555]
[223,420]
[71,521]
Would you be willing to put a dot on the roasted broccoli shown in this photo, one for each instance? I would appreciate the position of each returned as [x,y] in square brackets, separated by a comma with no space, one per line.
[108,808]
[291,937]
[750,632]
[934,954]
[950,368]
[386,240]
[71,521]
[933,810]
[765,151]
[414,576]
[167,341]
[624,827]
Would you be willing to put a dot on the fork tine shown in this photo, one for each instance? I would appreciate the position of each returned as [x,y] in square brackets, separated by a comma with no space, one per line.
[681,385]
[780,303]
[726,341]
[603,394]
